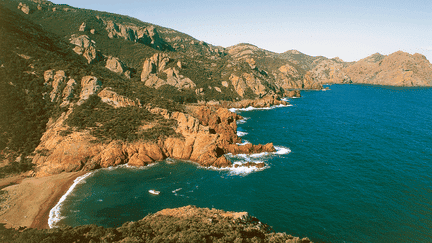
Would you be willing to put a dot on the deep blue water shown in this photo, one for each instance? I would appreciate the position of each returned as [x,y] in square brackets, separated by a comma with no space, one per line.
[360,170]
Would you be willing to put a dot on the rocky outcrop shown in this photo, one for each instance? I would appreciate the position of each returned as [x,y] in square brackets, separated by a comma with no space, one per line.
[68,92]
[207,133]
[89,86]
[112,98]
[156,65]
[114,64]
[145,35]
[83,27]
[61,89]
[245,82]
[86,47]
[59,80]
[153,65]
[397,69]
[267,101]
[24,7]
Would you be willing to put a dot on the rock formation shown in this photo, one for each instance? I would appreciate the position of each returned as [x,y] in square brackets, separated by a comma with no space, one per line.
[86,47]
[57,79]
[24,7]
[89,85]
[267,101]
[155,65]
[114,64]
[145,35]
[68,92]
[247,81]
[207,134]
[83,27]
[112,98]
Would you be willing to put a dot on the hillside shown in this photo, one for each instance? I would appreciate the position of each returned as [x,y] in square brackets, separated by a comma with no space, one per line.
[114,85]
[185,224]
[396,69]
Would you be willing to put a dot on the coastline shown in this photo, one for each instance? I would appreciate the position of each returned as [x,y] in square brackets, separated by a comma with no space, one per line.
[29,202]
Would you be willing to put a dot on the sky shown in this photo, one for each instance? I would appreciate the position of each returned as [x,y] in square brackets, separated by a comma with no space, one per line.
[350,30]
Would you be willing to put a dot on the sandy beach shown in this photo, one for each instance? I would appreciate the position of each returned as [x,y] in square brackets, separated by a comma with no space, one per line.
[29,202]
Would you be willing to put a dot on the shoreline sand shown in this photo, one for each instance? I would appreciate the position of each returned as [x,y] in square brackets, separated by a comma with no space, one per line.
[29,202]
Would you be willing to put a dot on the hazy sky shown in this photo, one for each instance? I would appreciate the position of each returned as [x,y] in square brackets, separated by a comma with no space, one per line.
[342,29]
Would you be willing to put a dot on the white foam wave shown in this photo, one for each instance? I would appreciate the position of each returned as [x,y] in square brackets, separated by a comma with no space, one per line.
[250,108]
[239,170]
[242,120]
[244,142]
[240,133]
[136,167]
[281,150]
[54,214]
[285,99]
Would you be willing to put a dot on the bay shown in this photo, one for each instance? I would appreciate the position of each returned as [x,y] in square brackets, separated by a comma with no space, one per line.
[359,170]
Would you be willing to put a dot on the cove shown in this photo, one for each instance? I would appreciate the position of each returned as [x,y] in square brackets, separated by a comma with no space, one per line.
[359,170]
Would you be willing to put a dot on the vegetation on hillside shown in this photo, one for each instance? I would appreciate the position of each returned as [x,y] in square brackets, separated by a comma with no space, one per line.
[108,123]
[206,226]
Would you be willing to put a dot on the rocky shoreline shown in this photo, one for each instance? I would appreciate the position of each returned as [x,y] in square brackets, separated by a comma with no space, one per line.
[208,133]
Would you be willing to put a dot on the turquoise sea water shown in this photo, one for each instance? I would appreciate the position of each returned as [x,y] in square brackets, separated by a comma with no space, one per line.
[360,170]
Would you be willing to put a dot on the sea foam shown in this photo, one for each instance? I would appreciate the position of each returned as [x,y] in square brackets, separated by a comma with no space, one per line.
[54,214]
[251,108]
[240,133]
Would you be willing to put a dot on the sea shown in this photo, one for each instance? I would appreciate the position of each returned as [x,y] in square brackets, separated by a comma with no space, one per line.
[353,164]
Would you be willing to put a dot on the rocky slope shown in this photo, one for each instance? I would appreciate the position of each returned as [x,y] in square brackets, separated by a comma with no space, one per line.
[185,224]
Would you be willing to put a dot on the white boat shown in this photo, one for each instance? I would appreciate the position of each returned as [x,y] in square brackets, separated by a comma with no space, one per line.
[154,192]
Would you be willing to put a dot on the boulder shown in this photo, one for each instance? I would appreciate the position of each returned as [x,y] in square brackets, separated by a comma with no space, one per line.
[114,64]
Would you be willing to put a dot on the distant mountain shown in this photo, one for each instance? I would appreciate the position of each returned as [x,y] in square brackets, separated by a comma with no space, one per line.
[396,69]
